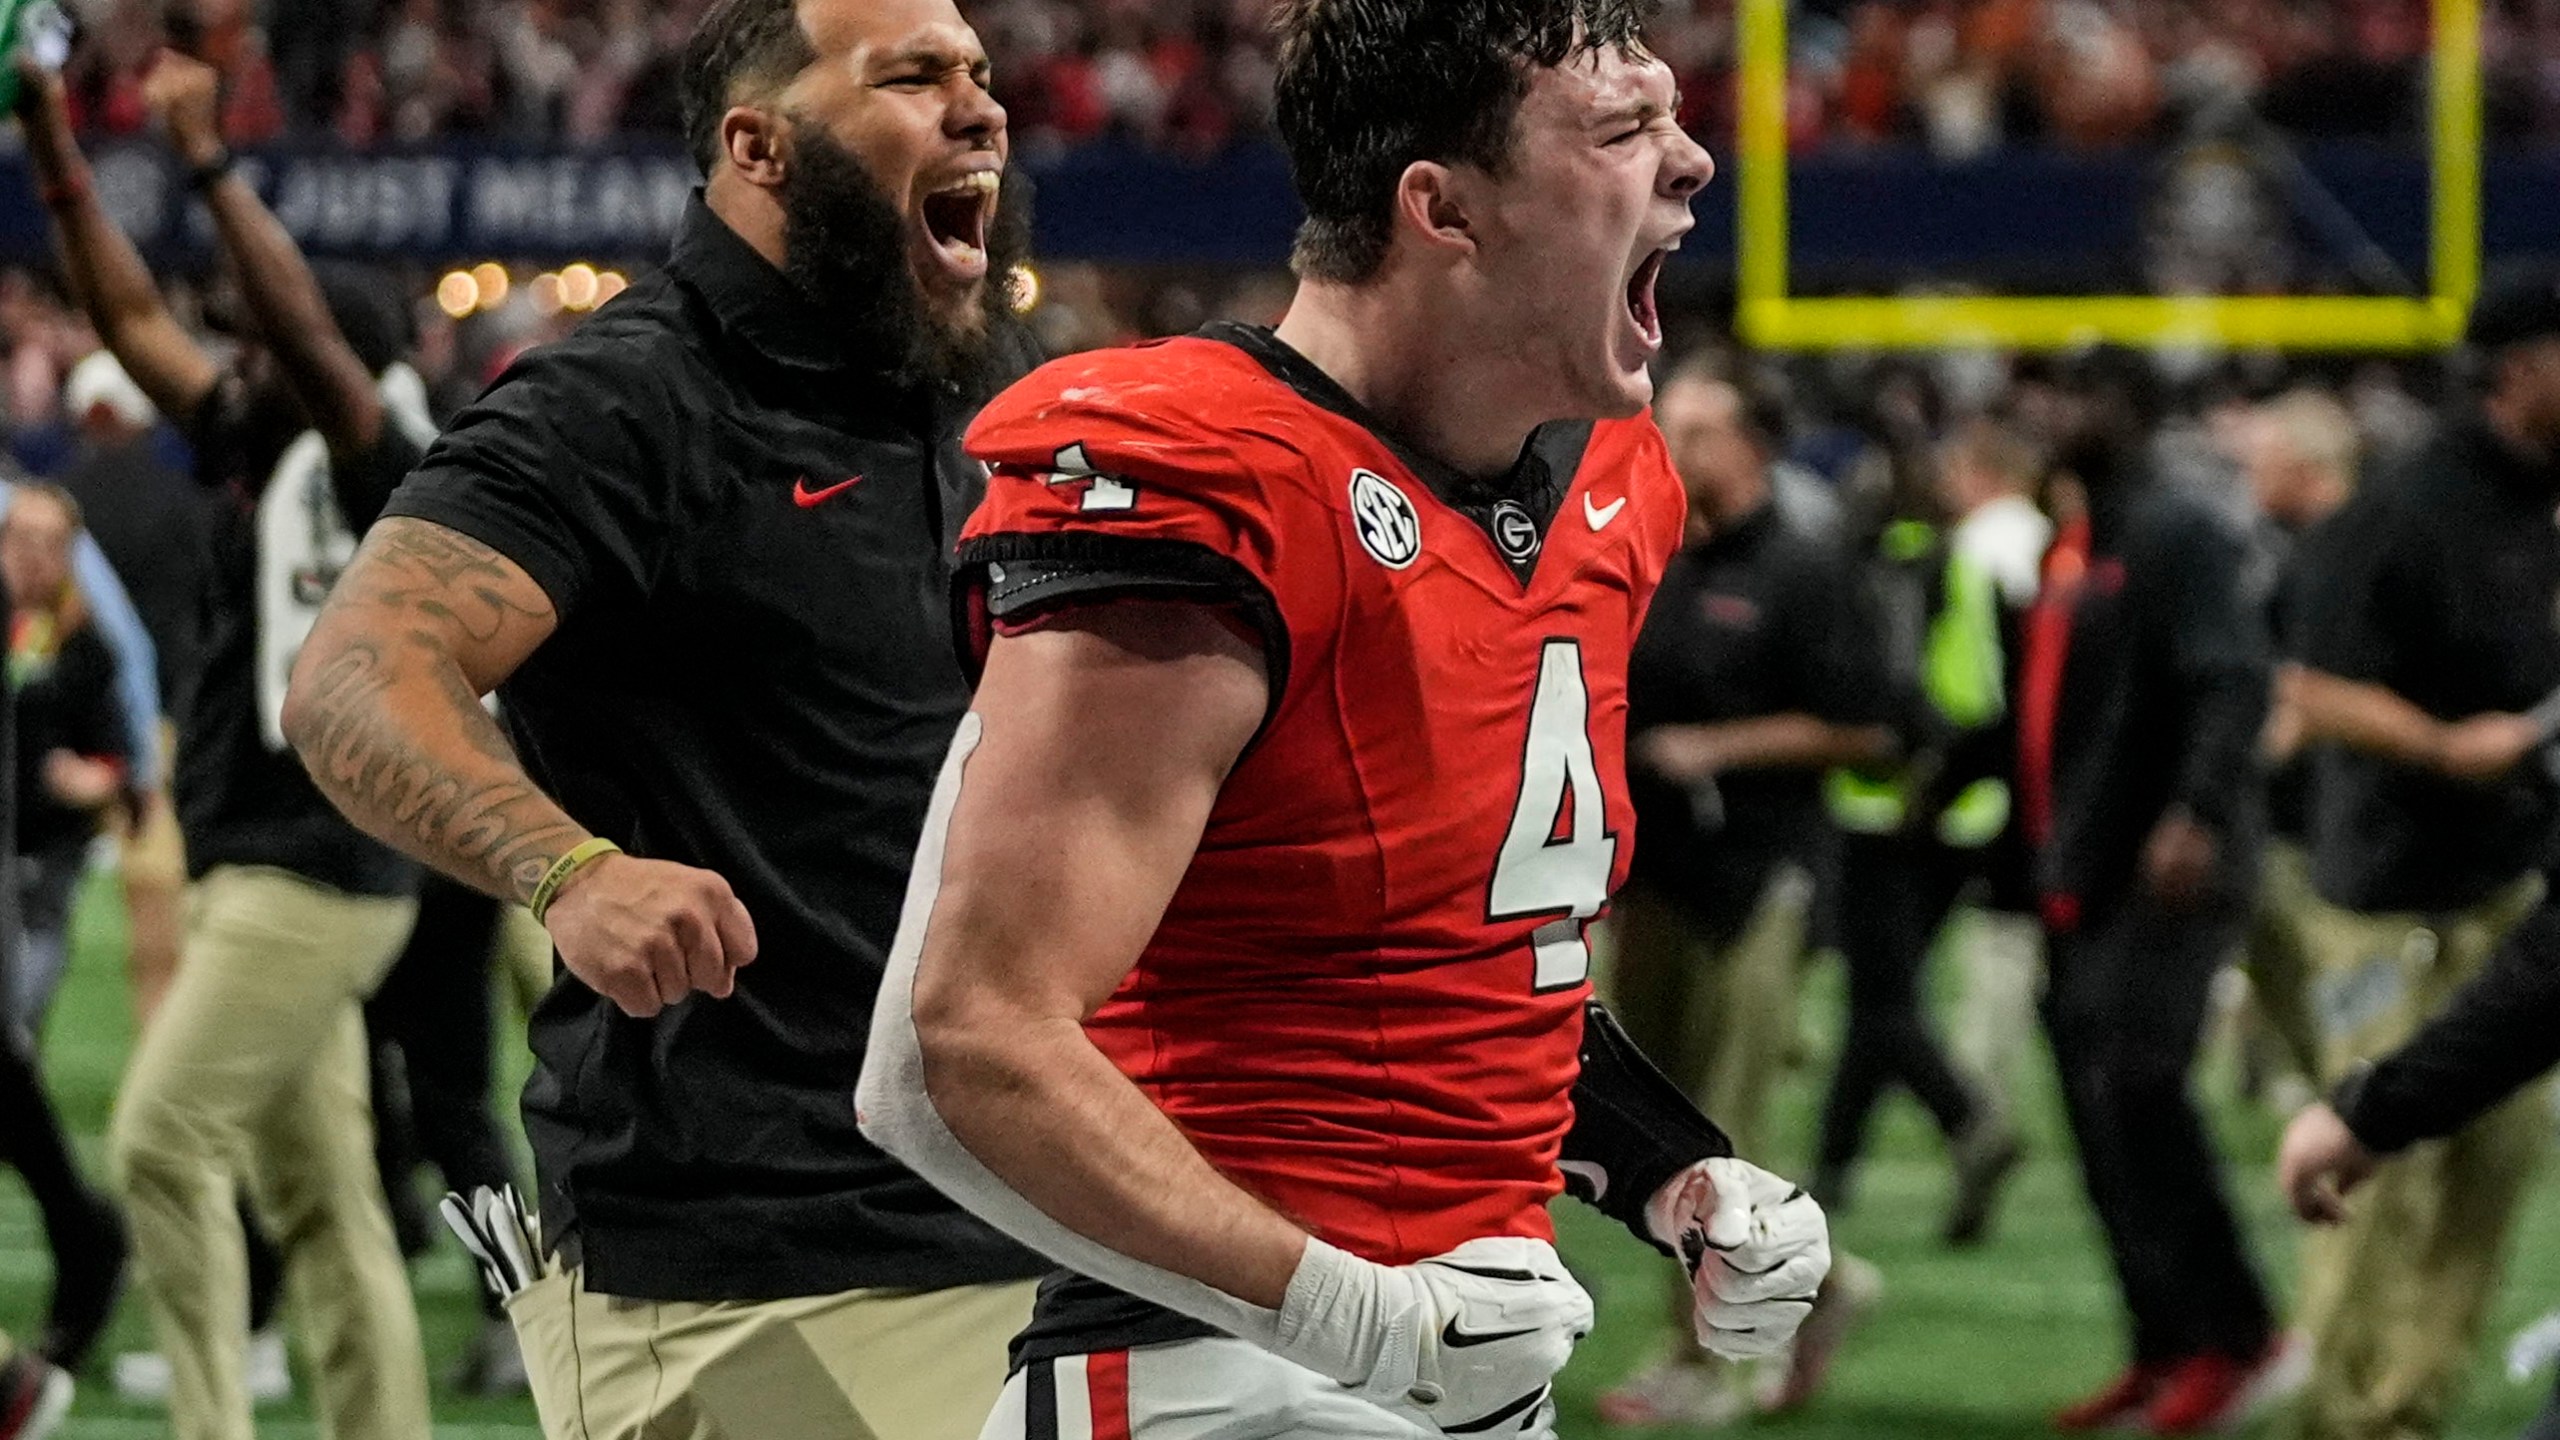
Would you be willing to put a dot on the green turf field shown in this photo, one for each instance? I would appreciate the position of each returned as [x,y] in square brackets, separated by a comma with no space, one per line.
[1976,1347]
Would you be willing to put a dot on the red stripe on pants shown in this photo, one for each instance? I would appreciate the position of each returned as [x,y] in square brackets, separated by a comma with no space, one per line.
[1106,1379]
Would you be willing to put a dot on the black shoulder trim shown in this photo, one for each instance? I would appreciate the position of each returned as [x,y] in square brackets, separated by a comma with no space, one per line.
[1079,568]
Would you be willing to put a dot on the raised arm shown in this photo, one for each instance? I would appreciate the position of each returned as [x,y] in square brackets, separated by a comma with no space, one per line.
[385,712]
[283,297]
[100,265]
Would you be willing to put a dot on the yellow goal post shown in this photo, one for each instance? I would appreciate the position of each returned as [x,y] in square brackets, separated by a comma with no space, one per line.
[1772,318]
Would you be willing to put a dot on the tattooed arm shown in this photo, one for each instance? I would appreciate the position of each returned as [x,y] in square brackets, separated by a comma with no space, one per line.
[385,712]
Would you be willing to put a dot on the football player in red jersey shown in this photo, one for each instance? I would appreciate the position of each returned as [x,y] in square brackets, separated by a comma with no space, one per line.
[1242,970]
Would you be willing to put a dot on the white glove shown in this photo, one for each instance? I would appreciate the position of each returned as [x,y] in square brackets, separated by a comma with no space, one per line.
[1756,1246]
[1463,1341]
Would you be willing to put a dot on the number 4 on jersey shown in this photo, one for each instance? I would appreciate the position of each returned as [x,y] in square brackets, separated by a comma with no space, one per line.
[1559,854]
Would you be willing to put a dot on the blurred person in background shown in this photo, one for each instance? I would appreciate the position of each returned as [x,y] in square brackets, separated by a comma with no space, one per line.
[1757,671]
[2142,690]
[68,741]
[145,519]
[74,749]
[2499,1034]
[342,341]
[253,1067]
[2427,636]
[2298,455]
[1912,840]
[1987,481]
[142,515]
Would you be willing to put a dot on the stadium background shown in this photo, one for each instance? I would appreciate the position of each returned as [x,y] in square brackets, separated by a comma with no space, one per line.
[510,161]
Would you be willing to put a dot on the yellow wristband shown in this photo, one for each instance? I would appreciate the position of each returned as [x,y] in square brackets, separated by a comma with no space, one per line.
[565,869]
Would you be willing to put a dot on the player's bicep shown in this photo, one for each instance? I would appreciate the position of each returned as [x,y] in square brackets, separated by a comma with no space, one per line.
[1099,741]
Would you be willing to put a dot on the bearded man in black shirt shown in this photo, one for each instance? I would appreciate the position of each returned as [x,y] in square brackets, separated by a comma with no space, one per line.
[699,548]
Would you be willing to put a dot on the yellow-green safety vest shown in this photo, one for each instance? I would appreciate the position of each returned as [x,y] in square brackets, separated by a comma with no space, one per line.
[1961,671]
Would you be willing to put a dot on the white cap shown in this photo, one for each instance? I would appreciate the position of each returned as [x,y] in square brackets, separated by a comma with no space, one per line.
[99,380]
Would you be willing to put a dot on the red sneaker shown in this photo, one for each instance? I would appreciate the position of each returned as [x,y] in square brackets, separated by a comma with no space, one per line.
[2119,1405]
[2212,1393]
[33,1397]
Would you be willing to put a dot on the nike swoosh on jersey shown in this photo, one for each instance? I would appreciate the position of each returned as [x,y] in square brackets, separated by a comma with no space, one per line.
[1600,516]
[808,499]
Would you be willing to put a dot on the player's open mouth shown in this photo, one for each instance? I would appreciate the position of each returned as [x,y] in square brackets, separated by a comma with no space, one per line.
[1642,307]
[956,219]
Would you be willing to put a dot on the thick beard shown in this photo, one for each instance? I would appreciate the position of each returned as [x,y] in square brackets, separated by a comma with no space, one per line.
[845,247]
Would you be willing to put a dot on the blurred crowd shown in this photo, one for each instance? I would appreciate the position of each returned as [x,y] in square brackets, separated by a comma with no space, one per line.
[1193,76]
[1849,411]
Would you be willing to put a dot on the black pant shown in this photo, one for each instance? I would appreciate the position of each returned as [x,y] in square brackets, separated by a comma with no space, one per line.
[436,1010]
[1895,896]
[33,1144]
[2125,1010]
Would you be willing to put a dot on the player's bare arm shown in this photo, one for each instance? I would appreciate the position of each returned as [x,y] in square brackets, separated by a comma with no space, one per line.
[2372,719]
[100,266]
[1106,738]
[1690,753]
[1075,798]
[385,712]
[276,284]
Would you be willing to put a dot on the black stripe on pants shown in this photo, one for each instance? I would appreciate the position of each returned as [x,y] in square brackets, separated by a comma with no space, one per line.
[1040,1401]
[2125,1011]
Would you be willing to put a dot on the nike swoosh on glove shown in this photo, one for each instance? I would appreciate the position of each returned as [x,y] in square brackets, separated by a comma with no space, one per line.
[1465,1343]
[1757,1248]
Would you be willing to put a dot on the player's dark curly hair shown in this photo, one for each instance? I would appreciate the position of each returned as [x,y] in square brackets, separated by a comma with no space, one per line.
[1369,87]
[739,46]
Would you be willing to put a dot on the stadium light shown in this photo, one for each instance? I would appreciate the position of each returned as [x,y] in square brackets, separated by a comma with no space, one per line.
[458,294]
[610,284]
[579,285]
[494,283]
[1025,287]
[1773,318]
[546,294]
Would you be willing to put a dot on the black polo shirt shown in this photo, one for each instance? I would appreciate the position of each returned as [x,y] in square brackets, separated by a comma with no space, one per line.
[2439,583]
[243,797]
[745,534]
[1759,620]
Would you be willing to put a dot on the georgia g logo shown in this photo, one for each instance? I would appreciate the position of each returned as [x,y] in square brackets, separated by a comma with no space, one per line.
[1388,527]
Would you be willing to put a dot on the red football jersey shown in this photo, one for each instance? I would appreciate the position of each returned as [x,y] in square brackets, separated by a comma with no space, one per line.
[1364,1003]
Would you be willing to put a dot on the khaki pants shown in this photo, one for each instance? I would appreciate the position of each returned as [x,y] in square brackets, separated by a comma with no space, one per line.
[1719,1019]
[866,1365]
[2001,957]
[2394,1299]
[2279,963]
[254,1069]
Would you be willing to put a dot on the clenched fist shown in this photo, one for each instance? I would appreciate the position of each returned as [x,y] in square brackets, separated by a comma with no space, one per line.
[185,95]
[646,934]
[1757,1248]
